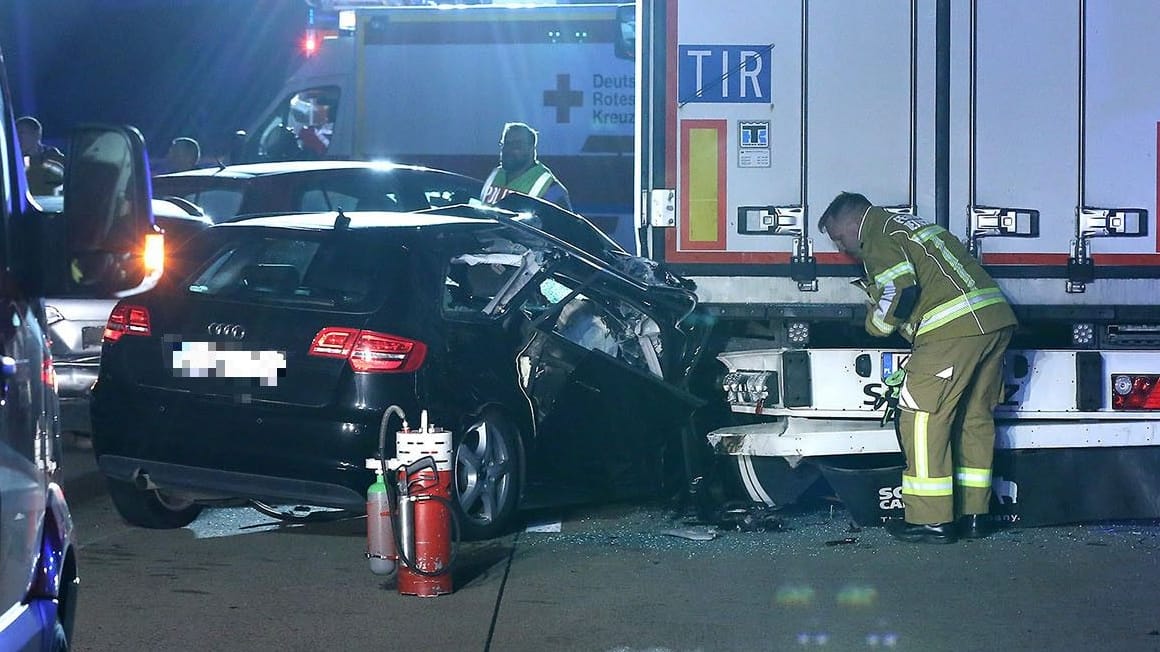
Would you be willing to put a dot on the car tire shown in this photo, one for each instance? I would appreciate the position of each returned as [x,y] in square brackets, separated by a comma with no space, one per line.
[153,509]
[487,476]
[59,641]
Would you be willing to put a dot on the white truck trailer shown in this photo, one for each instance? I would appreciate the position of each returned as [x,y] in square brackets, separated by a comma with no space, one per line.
[434,86]
[1029,129]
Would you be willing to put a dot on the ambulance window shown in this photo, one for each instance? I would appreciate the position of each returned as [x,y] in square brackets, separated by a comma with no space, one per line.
[301,126]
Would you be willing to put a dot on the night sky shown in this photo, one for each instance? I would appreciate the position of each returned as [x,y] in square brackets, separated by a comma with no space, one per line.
[199,68]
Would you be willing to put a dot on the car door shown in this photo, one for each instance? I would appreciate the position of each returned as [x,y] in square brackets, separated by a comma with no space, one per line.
[609,410]
[602,362]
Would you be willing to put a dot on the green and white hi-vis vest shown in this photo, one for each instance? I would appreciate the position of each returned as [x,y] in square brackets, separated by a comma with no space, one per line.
[534,181]
[956,297]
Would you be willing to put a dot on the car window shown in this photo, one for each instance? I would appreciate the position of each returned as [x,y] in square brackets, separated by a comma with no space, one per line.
[600,323]
[358,190]
[503,277]
[219,204]
[438,190]
[220,198]
[345,271]
[474,279]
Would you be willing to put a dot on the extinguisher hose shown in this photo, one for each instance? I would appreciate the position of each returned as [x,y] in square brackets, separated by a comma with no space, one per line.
[393,409]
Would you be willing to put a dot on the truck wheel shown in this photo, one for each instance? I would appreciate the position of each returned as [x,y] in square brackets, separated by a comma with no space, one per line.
[772,481]
[154,509]
[487,477]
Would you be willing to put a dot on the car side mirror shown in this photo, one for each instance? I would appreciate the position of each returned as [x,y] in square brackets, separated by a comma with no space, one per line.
[105,242]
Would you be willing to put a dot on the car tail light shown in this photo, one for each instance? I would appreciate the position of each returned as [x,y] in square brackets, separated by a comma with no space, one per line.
[1136,392]
[369,351]
[127,319]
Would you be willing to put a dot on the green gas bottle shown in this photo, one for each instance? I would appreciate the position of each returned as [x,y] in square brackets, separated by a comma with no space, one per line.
[380,533]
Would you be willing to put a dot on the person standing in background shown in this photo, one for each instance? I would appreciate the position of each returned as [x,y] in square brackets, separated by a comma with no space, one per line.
[520,171]
[184,154]
[43,165]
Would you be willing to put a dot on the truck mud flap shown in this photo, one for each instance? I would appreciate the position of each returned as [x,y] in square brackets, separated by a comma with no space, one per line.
[870,486]
[1029,487]
[1072,485]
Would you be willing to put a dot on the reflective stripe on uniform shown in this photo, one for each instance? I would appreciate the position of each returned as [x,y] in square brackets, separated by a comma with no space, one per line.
[927,486]
[970,477]
[930,234]
[925,233]
[899,270]
[541,184]
[949,311]
[921,419]
[880,324]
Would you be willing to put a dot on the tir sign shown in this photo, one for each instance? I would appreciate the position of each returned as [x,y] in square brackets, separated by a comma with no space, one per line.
[725,74]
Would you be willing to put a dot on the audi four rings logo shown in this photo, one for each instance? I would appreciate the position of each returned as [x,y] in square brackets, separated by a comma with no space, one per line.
[221,329]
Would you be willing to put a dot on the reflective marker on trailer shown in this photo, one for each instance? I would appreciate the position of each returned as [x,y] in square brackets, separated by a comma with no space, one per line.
[1136,392]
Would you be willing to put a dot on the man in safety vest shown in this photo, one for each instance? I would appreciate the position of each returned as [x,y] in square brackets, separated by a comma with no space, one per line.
[519,171]
[924,284]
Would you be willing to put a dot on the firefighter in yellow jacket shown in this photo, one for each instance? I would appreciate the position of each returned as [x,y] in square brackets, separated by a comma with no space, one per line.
[925,285]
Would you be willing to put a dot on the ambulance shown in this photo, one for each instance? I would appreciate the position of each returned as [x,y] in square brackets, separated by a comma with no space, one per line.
[1028,129]
[434,86]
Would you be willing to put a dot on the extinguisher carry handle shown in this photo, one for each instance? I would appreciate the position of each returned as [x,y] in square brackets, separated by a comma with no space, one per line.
[419,465]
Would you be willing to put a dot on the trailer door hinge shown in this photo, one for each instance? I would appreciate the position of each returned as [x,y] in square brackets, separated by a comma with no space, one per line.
[662,207]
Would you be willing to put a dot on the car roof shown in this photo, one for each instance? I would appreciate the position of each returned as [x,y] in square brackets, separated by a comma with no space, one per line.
[251,170]
[358,220]
[161,207]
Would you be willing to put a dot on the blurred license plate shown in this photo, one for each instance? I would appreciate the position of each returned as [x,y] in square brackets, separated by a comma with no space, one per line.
[893,361]
[214,360]
[91,336]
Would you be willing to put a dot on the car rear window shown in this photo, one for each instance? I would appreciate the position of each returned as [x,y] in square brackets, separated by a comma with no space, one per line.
[342,270]
[220,198]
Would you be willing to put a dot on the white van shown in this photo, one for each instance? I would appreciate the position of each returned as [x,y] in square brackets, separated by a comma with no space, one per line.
[435,85]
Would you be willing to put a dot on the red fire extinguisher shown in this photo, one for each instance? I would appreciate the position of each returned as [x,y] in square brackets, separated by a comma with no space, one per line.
[424,510]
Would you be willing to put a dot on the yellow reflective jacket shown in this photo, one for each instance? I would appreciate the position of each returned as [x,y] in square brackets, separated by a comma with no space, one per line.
[955,298]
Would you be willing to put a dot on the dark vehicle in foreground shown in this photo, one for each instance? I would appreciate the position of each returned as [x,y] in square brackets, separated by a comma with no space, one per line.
[77,323]
[232,191]
[103,244]
[266,373]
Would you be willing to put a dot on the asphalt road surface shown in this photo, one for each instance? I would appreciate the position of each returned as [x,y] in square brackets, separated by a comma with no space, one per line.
[612,579]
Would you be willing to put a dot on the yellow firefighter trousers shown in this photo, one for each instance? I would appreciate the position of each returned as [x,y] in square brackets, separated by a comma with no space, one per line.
[948,427]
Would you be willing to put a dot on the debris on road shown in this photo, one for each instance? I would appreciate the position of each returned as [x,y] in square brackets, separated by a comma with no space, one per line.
[692,533]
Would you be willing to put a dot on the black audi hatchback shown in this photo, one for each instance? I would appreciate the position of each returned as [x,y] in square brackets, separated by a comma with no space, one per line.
[266,373]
